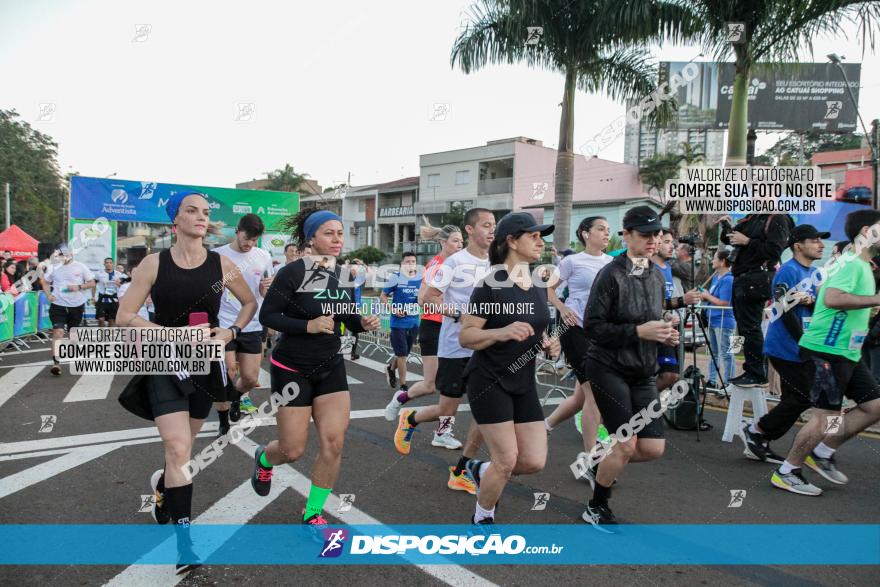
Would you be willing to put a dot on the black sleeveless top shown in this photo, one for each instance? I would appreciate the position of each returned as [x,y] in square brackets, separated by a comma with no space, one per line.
[178,292]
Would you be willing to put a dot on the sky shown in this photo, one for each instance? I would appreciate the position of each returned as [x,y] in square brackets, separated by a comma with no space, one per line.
[217,92]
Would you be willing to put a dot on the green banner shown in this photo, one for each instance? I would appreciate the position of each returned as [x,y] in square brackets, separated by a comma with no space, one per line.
[7,316]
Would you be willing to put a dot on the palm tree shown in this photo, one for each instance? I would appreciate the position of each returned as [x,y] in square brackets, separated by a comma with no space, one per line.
[596,44]
[655,170]
[775,30]
[286,179]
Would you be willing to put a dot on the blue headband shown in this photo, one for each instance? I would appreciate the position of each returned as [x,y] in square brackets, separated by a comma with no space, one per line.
[316,219]
[173,204]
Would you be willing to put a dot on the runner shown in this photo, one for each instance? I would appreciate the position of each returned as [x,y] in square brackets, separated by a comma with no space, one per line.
[246,351]
[69,281]
[833,343]
[500,375]
[107,302]
[182,282]
[578,272]
[307,304]
[451,242]
[403,287]
[450,289]
[781,345]
[623,321]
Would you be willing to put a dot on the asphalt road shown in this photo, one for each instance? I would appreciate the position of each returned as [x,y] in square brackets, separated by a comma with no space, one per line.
[93,467]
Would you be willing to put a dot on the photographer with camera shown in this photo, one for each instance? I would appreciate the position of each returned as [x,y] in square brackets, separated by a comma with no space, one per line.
[684,267]
[758,241]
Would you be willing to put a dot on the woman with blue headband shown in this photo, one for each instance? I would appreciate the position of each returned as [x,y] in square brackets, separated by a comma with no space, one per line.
[183,282]
[307,304]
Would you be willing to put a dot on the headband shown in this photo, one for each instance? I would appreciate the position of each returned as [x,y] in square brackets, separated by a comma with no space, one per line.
[315,220]
[173,204]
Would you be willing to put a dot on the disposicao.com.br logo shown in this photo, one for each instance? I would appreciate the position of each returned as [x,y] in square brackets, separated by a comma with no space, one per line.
[450,544]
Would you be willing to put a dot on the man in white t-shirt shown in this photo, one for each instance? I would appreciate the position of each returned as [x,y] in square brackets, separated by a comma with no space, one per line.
[106,300]
[255,265]
[69,281]
[450,289]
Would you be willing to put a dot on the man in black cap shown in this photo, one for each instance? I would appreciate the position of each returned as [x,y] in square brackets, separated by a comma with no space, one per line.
[758,241]
[781,343]
[624,321]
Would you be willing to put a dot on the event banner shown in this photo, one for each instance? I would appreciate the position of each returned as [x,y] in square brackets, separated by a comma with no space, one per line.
[92,242]
[43,309]
[26,314]
[144,201]
[7,313]
[274,243]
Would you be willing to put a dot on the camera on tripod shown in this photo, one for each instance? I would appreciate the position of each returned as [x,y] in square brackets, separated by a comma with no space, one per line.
[690,239]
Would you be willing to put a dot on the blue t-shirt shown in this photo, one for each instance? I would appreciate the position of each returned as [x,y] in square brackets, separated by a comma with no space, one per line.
[404,292]
[778,342]
[722,289]
[667,276]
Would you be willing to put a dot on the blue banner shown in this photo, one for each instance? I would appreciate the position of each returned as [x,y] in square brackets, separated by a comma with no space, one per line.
[44,322]
[26,314]
[572,544]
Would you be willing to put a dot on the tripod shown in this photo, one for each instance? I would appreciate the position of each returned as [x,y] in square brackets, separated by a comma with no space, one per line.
[696,378]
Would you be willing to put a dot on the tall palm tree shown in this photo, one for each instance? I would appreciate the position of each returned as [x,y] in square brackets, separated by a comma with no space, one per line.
[596,44]
[775,31]
[285,179]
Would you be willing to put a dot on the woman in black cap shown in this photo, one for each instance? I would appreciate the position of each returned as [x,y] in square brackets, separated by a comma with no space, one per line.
[624,322]
[505,325]
[183,282]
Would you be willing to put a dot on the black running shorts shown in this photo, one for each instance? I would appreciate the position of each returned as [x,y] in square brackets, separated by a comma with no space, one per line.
[166,398]
[331,380]
[575,343]
[619,398]
[491,404]
[248,343]
[65,317]
[429,337]
[449,376]
[836,377]
[106,308]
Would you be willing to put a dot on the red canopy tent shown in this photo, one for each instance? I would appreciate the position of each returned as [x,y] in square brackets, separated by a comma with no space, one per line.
[18,242]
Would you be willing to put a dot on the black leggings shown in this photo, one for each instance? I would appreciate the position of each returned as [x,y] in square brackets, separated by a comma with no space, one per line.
[620,397]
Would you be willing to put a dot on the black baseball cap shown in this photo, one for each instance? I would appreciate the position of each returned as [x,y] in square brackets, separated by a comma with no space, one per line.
[518,223]
[641,219]
[804,231]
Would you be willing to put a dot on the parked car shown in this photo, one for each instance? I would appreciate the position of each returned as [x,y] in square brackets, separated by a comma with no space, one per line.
[859,194]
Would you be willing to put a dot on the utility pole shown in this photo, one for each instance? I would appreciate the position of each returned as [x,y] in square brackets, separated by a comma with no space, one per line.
[874,143]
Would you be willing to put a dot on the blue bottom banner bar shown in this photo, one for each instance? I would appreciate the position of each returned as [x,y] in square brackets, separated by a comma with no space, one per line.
[264,544]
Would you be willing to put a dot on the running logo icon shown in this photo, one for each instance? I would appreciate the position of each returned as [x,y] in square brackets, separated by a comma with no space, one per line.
[146,503]
[737,496]
[541,500]
[346,500]
[334,540]
[445,425]
[833,424]
[47,423]
[736,32]
[832,109]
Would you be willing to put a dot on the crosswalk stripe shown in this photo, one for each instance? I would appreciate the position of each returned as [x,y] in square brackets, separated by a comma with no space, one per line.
[264,380]
[18,481]
[90,387]
[15,380]
[380,367]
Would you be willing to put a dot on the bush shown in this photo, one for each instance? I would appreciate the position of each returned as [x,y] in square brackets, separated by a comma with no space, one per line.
[369,255]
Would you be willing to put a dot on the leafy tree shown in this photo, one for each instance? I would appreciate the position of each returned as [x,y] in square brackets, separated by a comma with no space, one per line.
[786,151]
[285,179]
[369,255]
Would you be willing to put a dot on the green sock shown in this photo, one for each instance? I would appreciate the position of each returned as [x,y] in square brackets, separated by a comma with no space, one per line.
[317,498]
[264,461]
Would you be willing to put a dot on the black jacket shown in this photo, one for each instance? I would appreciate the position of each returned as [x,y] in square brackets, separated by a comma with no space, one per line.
[765,246]
[620,300]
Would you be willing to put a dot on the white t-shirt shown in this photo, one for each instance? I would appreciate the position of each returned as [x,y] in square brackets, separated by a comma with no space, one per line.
[457,278]
[107,283]
[62,277]
[252,265]
[142,312]
[579,272]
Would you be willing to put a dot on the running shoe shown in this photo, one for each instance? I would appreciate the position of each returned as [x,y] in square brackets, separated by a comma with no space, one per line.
[826,468]
[749,380]
[483,522]
[794,482]
[602,434]
[601,517]
[393,408]
[187,560]
[56,369]
[261,480]
[404,432]
[160,514]
[234,411]
[473,469]
[577,422]
[461,482]
[316,523]
[757,447]
[446,440]
[247,406]
[391,373]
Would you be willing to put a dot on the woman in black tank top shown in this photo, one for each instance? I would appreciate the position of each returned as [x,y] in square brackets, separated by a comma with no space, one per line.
[183,280]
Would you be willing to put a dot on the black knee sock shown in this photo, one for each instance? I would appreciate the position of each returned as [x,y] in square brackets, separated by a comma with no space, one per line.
[179,500]
[600,495]
[224,419]
[411,419]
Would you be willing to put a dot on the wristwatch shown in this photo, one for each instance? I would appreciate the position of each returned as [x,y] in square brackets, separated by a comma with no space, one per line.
[235,331]
[456,316]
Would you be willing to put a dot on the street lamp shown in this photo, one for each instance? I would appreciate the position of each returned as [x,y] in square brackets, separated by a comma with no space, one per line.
[875,161]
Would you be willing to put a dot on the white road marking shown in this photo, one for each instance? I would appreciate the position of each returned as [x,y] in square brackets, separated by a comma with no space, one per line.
[35,364]
[264,380]
[18,481]
[380,367]
[15,380]
[90,387]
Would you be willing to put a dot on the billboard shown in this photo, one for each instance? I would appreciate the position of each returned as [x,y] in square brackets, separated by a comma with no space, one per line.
[799,97]
[90,244]
[144,201]
[802,97]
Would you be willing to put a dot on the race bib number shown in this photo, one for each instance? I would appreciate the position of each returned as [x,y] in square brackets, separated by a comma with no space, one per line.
[857,340]
[805,322]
